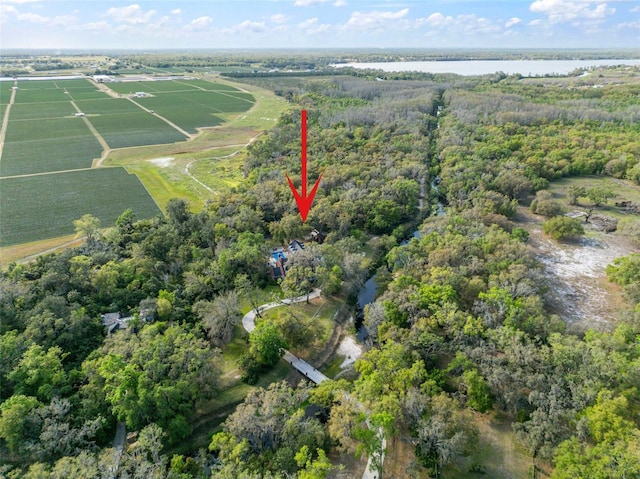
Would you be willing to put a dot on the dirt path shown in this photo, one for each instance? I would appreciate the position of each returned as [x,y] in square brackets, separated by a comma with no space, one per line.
[576,273]
[242,147]
[105,89]
[75,242]
[191,136]
[5,119]
[106,149]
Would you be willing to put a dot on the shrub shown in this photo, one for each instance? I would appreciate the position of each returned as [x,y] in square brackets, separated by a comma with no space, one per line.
[563,227]
[520,234]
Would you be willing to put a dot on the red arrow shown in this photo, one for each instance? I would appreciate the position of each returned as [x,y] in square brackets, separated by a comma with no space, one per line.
[304,202]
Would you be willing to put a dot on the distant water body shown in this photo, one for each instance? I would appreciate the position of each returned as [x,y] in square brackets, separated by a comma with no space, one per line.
[480,67]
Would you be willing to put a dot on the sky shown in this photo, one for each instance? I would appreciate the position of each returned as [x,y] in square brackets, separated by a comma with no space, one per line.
[213,24]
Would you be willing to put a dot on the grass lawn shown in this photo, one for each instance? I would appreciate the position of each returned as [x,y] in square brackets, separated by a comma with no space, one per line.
[497,452]
[332,369]
[625,191]
[24,250]
[317,315]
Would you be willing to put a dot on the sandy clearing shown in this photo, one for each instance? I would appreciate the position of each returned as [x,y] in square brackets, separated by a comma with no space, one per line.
[350,350]
[162,162]
[576,274]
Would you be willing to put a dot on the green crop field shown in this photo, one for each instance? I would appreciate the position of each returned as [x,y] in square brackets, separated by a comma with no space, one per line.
[39,146]
[210,86]
[37,85]
[193,109]
[107,106]
[172,107]
[123,124]
[45,110]
[5,91]
[148,86]
[86,94]
[44,136]
[39,95]
[39,207]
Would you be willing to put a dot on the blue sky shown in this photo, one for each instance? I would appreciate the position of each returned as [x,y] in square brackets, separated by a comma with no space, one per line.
[161,24]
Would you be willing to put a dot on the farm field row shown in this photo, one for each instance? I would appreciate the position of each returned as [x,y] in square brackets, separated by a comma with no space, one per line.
[43,133]
[44,206]
[61,141]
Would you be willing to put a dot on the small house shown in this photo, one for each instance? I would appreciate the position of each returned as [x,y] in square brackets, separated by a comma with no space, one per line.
[317,236]
[114,322]
[279,257]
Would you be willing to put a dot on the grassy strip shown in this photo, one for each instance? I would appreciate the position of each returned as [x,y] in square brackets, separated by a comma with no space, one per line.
[26,250]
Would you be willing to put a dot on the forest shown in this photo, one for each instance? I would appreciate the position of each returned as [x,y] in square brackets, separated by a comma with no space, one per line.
[460,329]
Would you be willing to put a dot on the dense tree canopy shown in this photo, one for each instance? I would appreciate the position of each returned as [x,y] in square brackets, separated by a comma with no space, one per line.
[460,326]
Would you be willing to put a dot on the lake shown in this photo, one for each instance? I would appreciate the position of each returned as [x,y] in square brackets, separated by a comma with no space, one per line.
[483,67]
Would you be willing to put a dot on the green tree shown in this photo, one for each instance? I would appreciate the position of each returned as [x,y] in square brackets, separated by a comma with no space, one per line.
[318,468]
[14,420]
[89,226]
[40,373]
[444,435]
[266,344]
[477,390]
[625,270]
[599,195]
[12,348]
[575,192]
[125,221]
[160,378]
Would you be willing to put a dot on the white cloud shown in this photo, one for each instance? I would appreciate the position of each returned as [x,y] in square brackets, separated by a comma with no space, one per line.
[60,20]
[631,25]
[132,15]
[635,9]
[33,18]
[6,11]
[339,3]
[535,22]
[374,19]
[474,24]
[311,26]
[467,24]
[308,3]
[569,11]
[437,19]
[279,18]
[101,26]
[512,21]
[246,27]
[201,22]
[176,11]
